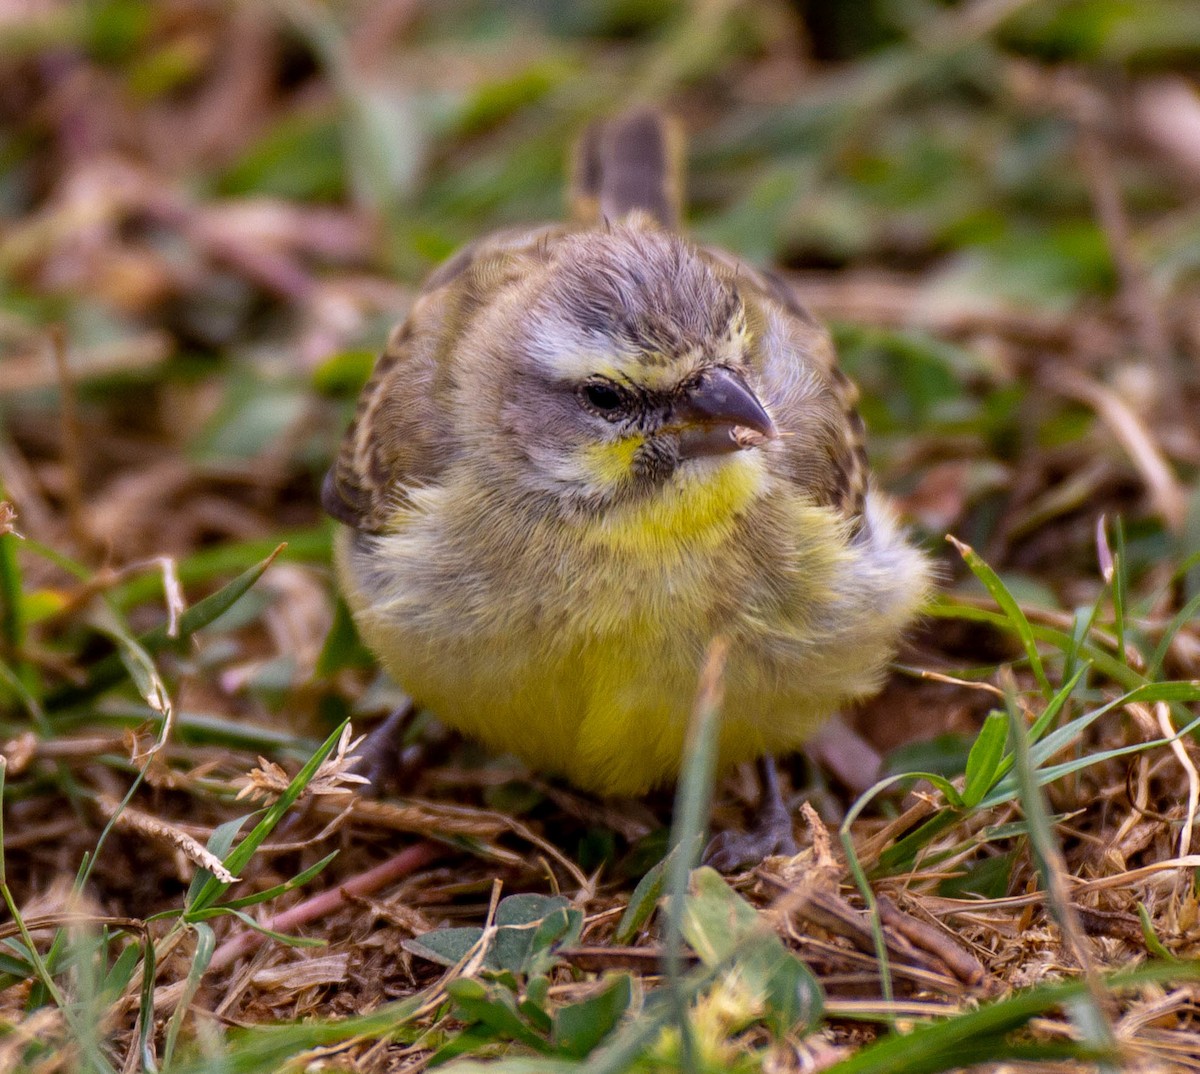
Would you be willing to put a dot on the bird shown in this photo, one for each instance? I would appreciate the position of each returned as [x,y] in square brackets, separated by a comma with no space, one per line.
[593,447]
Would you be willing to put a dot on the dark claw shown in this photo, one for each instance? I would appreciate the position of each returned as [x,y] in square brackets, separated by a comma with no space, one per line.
[729,852]
[380,757]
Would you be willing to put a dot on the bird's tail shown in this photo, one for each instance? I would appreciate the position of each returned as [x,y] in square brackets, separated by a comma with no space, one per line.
[631,163]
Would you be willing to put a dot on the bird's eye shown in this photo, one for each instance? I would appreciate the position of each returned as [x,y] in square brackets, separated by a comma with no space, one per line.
[606,398]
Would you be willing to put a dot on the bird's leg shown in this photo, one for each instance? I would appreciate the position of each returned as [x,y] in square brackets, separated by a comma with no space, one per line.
[771,834]
[381,756]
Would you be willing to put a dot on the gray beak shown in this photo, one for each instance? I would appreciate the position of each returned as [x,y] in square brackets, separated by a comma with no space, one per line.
[715,415]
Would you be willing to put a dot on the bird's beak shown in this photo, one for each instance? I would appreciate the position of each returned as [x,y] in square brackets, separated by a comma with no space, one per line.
[719,415]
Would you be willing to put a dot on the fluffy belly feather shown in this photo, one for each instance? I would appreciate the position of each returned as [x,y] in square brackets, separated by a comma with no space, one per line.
[594,679]
[610,714]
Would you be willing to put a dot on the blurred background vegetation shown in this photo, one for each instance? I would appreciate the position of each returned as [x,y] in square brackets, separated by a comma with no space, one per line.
[225,206]
[212,212]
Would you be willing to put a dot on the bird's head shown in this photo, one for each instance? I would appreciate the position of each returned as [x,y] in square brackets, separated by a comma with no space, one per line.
[626,383]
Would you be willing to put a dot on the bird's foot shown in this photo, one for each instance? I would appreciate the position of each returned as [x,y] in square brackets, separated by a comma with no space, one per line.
[772,832]
[730,852]
[381,756]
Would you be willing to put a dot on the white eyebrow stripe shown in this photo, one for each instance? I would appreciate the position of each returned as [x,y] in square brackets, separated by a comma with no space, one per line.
[565,350]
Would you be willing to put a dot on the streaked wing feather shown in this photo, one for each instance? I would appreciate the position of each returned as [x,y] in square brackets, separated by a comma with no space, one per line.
[390,445]
[401,436]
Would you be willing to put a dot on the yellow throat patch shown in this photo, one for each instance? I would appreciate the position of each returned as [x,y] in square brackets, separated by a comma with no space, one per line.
[697,506]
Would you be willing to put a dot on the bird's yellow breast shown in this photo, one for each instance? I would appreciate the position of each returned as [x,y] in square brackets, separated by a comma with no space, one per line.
[578,648]
[699,508]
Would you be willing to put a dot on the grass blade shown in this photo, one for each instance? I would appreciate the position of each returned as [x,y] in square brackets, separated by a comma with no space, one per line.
[1009,606]
[112,669]
[1089,1007]
[212,888]
[692,804]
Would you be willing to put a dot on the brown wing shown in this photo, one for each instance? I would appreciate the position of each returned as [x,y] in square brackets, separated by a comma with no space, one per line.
[848,453]
[402,436]
[394,441]
[846,449]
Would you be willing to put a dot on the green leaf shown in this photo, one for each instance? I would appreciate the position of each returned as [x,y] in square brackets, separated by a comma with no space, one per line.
[561,927]
[642,902]
[219,843]
[1104,661]
[1087,1009]
[121,972]
[138,663]
[14,966]
[1181,618]
[1153,944]
[526,909]
[267,1049]
[343,648]
[722,928]
[1008,604]
[344,373]
[529,925]
[446,947]
[466,989]
[299,157]
[475,1003]
[206,944]
[1059,739]
[494,101]
[506,979]
[1120,586]
[944,754]
[1050,712]
[949,791]
[693,803]
[297,881]
[987,878]
[715,917]
[284,938]
[535,1013]
[983,762]
[951,1044]
[237,859]
[902,854]
[537,990]
[12,625]
[582,1026]
[791,995]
